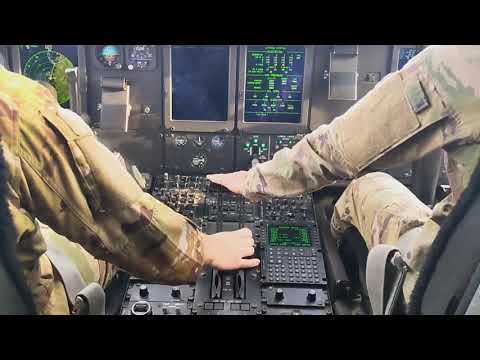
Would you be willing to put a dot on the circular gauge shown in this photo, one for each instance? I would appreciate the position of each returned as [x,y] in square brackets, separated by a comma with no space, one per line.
[199,141]
[218,142]
[50,66]
[199,161]
[180,141]
[109,56]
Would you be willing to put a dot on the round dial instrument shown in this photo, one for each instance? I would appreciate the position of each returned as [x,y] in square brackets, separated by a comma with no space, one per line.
[199,161]
[218,142]
[199,141]
[110,56]
[180,141]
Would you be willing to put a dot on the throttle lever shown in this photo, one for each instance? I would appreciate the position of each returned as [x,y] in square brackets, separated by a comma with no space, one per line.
[216,290]
[240,284]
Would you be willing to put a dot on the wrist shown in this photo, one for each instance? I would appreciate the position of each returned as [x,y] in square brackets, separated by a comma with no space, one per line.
[251,185]
[203,238]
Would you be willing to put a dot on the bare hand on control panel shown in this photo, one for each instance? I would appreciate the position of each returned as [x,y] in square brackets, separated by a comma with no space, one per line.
[226,250]
[232,181]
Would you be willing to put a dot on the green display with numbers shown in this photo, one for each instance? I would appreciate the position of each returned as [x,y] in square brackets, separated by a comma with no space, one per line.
[289,235]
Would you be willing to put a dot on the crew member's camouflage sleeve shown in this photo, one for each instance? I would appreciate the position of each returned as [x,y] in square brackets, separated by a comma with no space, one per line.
[433,102]
[62,175]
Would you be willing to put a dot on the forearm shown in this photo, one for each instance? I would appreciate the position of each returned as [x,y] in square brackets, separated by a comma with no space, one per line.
[312,163]
[403,118]
[157,243]
[85,194]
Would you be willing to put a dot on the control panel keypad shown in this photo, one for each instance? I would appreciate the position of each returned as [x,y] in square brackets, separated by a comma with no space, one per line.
[299,266]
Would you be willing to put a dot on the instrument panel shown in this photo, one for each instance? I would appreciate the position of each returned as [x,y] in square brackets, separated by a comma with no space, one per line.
[194,110]
[130,57]
[291,279]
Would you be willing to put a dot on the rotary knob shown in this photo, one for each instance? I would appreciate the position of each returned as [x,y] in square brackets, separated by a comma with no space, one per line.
[143,291]
[279,294]
[312,295]
[176,292]
[199,141]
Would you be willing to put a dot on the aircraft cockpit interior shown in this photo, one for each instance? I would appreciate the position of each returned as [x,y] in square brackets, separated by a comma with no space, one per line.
[178,113]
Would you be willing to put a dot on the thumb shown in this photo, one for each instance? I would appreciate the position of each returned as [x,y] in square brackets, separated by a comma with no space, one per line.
[249,263]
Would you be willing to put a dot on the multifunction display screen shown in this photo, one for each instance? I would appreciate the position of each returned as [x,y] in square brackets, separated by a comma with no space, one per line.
[289,235]
[274,84]
[200,83]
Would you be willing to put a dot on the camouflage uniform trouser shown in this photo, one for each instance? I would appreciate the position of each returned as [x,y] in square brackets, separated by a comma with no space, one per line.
[382,209]
[91,270]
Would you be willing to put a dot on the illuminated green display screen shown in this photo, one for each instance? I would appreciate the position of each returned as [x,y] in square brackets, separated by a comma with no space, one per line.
[48,63]
[289,235]
[274,84]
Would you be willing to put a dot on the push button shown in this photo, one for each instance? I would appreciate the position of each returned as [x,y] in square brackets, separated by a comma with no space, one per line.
[218,306]
[245,307]
[209,306]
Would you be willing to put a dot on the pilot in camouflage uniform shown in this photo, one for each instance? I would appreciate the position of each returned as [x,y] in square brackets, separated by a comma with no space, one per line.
[432,103]
[60,175]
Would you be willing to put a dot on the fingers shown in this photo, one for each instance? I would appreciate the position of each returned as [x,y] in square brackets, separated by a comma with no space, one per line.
[249,263]
[244,237]
[216,178]
[247,251]
[245,232]
[243,242]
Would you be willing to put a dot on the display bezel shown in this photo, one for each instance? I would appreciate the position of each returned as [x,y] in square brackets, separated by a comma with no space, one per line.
[4,57]
[274,127]
[194,125]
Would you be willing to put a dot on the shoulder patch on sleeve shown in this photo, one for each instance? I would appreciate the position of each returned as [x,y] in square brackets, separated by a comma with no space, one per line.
[416,96]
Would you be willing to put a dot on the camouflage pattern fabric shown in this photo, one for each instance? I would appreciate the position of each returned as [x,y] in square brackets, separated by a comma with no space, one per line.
[63,176]
[383,210]
[432,103]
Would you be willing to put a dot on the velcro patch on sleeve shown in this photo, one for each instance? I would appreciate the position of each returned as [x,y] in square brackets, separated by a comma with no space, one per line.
[417,98]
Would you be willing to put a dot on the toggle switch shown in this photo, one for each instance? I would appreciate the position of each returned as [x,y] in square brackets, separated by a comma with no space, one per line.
[175,292]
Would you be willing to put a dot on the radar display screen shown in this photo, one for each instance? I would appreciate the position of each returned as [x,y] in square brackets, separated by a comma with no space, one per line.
[274,84]
[405,55]
[48,63]
[200,77]
[289,235]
